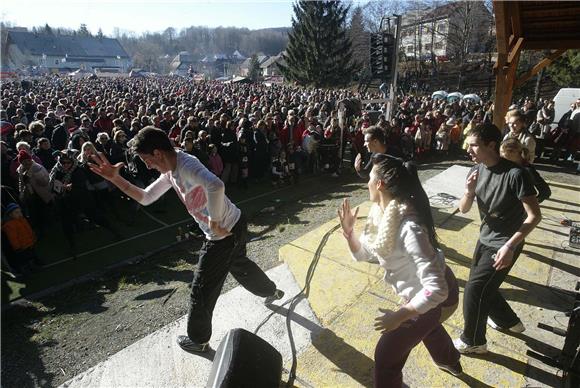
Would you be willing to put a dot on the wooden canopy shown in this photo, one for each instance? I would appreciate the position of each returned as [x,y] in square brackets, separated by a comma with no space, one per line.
[530,25]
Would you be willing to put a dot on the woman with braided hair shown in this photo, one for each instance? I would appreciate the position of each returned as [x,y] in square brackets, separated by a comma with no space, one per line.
[400,235]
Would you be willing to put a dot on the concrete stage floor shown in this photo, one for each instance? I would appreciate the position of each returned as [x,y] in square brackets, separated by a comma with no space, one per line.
[333,327]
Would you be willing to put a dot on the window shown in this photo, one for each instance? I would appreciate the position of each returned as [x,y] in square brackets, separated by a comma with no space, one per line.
[442,28]
[410,48]
[438,45]
[428,46]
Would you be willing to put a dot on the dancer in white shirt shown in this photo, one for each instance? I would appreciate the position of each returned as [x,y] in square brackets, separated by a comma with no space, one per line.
[225,228]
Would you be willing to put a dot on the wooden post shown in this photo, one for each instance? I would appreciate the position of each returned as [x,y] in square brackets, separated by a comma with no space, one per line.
[509,45]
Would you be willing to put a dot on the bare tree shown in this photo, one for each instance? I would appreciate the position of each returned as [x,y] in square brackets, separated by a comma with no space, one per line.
[468,31]
[375,10]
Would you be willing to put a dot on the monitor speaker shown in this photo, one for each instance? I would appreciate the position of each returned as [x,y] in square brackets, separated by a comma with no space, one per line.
[245,360]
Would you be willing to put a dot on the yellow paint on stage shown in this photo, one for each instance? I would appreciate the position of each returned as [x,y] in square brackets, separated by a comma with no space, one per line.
[345,296]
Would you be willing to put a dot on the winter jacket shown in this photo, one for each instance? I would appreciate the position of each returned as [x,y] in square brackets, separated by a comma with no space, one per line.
[35,181]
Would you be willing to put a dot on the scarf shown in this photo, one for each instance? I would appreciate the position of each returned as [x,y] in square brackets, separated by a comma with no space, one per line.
[66,175]
[381,229]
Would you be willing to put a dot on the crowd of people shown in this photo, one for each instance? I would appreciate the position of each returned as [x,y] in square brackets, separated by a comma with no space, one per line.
[243,133]
[70,148]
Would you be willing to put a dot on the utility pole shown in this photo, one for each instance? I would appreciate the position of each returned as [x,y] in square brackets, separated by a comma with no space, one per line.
[395,64]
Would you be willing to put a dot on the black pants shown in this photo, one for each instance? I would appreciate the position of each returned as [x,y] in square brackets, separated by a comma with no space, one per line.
[482,299]
[216,259]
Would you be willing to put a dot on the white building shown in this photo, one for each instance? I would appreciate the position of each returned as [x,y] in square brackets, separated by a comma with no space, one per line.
[457,28]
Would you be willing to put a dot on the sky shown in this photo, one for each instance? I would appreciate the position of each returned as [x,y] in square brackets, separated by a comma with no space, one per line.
[139,16]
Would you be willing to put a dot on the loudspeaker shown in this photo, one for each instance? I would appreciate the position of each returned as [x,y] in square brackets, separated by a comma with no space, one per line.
[245,360]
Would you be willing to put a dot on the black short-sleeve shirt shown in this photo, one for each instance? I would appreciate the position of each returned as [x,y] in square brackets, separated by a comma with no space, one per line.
[499,192]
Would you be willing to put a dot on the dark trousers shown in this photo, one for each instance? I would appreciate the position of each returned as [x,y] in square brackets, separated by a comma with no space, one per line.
[482,298]
[216,259]
[394,347]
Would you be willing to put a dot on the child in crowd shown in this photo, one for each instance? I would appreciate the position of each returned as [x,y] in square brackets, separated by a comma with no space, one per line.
[216,164]
[407,144]
[18,241]
[243,162]
[296,159]
[442,137]
[280,170]
[513,150]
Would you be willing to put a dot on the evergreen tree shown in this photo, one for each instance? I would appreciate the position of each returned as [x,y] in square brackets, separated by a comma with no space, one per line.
[360,40]
[47,29]
[319,50]
[254,68]
[83,30]
[100,34]
[565,71]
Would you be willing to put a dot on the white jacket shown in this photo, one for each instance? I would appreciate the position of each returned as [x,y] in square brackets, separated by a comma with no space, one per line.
[415,269]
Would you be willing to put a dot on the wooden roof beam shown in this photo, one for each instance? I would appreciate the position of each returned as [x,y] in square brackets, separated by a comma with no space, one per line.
[532,44]
[539,66]
[501,27]
[515,50]
[514,12]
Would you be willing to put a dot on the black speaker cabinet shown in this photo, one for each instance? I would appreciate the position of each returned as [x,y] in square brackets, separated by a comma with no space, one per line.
[245,360]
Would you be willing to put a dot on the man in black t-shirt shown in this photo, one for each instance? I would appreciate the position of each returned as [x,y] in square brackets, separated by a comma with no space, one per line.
[509,211]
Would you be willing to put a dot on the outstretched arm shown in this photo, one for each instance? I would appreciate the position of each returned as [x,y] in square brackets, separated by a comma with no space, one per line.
[104,168]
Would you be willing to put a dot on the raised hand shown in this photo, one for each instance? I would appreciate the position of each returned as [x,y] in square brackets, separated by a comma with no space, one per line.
[347,216]
[471,183]
[102,167]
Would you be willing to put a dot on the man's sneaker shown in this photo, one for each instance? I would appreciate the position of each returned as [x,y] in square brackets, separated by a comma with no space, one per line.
[278,294]
[463,348]
[189,346]
[455,370]
[517,328]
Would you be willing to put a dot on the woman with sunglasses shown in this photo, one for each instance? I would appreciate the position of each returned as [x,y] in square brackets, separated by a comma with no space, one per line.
[400,235]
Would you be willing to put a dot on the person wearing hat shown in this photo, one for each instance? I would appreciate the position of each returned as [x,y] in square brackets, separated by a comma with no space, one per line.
[14,164]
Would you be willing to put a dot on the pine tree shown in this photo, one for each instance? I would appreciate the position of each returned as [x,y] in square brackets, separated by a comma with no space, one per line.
[319,50]
[83,30]
[565,71]
[360,40]
[254,68]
